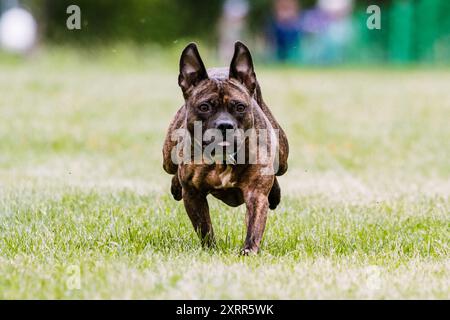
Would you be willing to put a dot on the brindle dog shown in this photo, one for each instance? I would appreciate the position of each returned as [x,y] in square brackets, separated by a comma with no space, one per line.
[226,99]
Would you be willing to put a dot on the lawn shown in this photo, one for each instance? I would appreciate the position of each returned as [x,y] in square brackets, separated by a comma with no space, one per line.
[85,208]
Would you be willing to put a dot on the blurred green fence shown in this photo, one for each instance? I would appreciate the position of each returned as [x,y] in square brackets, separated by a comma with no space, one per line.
[412,31]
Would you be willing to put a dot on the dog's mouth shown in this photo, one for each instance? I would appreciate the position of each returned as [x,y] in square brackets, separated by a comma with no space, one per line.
[224,144]
[230,145]
[222,151]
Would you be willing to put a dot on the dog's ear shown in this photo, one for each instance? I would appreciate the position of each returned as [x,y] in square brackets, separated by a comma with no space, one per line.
[192,69]
[241,67]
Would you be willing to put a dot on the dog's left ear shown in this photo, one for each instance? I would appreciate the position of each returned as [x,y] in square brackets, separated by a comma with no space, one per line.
[192,69]
[241,67]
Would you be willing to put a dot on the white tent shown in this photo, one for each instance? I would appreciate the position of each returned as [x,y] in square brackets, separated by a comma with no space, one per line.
[18,28]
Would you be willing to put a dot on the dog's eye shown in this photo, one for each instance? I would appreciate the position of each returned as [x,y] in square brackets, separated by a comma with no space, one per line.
[240,107]
[204,107]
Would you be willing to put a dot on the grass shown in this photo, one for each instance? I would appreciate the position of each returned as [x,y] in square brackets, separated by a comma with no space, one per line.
[365,207]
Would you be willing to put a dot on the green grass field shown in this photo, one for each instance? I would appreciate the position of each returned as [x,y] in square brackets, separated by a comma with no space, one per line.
[365,207]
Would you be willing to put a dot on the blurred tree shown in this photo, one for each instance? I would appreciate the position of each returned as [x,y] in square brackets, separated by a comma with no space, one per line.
[158,21]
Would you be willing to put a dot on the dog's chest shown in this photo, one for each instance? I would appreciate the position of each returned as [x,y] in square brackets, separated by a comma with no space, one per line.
[221,178]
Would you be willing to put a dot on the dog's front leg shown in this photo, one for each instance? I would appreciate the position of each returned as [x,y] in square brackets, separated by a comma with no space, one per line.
[198,211]
[257,206]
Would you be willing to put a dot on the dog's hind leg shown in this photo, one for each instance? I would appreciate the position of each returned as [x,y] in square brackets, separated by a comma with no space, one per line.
[274,195]
[176,189]
[177,123]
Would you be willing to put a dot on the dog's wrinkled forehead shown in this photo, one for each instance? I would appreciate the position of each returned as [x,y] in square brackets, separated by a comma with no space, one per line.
[220,90]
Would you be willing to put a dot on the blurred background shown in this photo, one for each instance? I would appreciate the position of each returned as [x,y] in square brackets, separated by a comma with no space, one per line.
[308,32]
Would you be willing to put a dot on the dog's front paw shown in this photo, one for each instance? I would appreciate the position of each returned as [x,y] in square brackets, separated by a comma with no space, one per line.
[249,251]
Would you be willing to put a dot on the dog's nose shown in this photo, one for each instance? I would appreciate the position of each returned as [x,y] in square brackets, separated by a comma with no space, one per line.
[225,125]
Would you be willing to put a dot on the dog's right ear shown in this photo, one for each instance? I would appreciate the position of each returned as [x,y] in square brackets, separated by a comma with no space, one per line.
[192,69]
